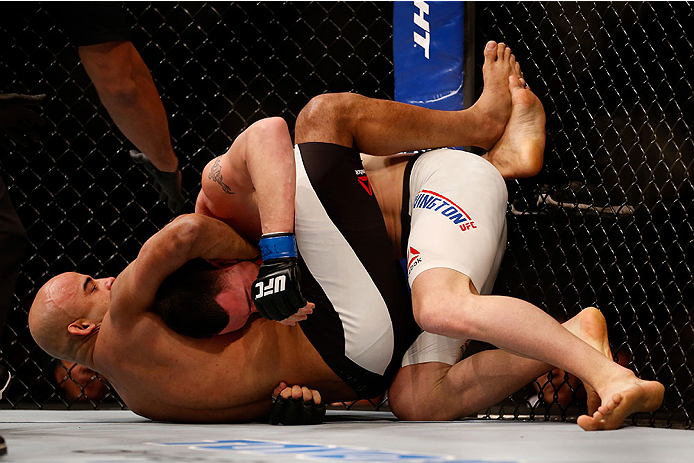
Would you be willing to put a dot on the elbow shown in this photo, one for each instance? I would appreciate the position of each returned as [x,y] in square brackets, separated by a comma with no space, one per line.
[269,137]
[270,128]
[185,230]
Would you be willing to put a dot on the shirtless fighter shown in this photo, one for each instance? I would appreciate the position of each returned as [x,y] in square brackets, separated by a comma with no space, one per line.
[106,324]
[456,215]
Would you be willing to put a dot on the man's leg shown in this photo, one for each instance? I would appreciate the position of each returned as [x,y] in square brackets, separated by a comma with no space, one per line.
[126,89]
[381,127]
[445,302]
[13,239]
[438,391]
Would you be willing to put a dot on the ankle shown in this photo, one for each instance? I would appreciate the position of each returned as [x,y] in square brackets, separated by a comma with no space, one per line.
[489,129]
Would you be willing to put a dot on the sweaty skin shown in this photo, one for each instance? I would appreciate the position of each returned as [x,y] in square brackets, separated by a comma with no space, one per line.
[105,324]
[164,376]
[235,297]
[616,391]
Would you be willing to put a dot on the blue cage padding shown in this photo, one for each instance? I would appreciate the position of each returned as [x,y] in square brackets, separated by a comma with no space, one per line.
[428,54]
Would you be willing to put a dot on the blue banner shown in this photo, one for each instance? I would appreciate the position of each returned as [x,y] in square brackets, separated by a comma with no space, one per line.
[428,54]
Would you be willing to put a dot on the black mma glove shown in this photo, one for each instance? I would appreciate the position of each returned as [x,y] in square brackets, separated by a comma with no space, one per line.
[168,184]
[276,292]
[295,411]
[17,122]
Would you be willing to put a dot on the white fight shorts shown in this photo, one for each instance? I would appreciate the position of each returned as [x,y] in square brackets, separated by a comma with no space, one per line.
[457,218]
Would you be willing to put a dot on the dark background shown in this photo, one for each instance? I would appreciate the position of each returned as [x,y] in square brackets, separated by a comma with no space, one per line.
[614,79]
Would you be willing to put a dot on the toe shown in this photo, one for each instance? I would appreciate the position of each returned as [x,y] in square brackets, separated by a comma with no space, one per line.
[586,422]
[490,51]
[590,423]
[500,50]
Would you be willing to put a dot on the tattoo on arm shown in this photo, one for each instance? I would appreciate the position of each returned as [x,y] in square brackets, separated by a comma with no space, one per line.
[216,176]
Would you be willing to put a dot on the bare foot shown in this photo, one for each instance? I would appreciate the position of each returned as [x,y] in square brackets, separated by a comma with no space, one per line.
[591,327]
[520,151]
[630,396]
[493,108]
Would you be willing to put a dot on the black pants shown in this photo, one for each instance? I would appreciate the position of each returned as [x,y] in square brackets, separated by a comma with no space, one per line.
[13,240]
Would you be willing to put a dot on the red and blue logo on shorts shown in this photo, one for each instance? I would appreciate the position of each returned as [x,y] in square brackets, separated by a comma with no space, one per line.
[364,181]
[413,259]
[427,199]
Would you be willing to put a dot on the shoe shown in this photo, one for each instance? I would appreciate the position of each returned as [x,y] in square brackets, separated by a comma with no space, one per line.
[3,447]
[5,378]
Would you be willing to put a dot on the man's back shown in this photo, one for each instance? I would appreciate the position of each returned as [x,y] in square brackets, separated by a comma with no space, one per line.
[165,376]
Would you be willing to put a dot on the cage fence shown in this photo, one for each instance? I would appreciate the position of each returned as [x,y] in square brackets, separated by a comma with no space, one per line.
[607,223]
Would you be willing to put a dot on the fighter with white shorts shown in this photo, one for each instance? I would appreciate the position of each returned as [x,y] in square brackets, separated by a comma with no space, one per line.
[454,216]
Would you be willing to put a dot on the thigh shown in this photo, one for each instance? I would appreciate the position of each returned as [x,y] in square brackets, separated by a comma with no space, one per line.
[458,217]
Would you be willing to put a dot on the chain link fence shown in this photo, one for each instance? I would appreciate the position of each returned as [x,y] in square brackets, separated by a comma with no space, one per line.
[607,223]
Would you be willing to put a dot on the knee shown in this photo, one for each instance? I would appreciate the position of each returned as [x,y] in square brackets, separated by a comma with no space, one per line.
[419,409]
[409,410]
[417,394]
[329,110]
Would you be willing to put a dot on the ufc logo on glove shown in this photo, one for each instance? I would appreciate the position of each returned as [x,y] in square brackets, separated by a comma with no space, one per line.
[271,286]
[276,291]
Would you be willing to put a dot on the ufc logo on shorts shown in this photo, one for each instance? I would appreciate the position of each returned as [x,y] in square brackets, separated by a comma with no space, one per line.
[271,286]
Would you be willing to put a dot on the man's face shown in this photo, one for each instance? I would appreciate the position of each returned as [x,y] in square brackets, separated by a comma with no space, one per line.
[235,296]
[65,299]
[80,383]
[80,294]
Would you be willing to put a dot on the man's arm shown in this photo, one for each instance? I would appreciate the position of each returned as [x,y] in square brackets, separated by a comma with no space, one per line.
[252,187]
[128,93]
[187,237]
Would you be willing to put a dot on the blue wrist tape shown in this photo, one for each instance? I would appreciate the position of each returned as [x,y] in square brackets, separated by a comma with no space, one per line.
[278,246]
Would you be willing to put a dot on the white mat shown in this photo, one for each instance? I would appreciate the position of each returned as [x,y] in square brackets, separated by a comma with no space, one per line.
[113,436]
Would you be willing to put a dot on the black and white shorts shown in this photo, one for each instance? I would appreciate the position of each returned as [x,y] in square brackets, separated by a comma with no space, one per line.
[363,323]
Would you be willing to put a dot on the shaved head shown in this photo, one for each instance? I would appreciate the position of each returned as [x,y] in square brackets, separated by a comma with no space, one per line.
[63,300]
[47,317]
